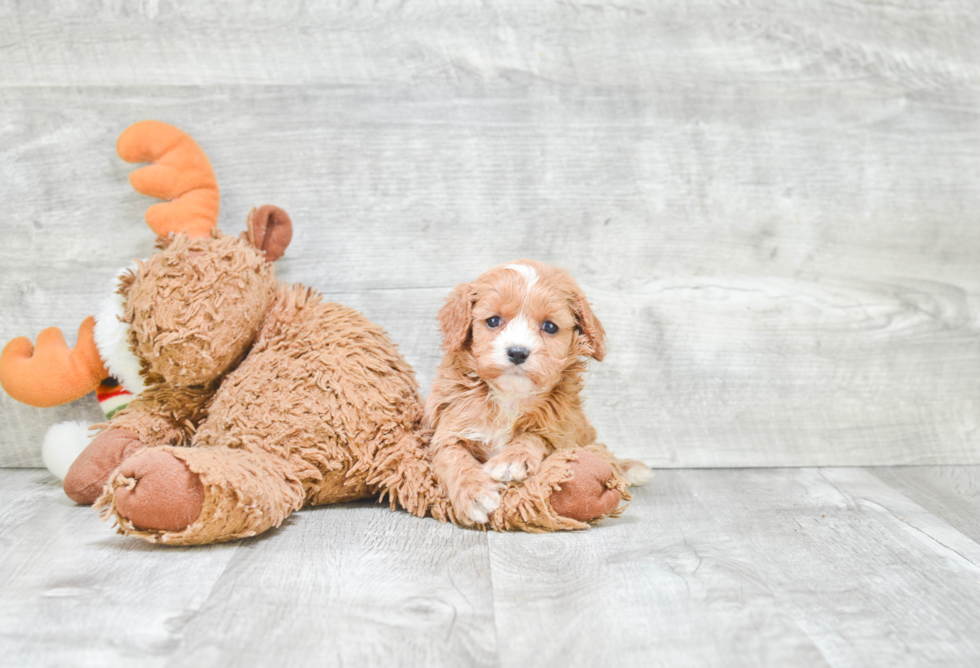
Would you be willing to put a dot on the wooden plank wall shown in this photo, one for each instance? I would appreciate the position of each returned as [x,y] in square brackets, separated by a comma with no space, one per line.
[775,208]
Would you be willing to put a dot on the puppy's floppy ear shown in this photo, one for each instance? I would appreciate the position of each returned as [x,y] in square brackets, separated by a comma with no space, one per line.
[590,327]
[456,317]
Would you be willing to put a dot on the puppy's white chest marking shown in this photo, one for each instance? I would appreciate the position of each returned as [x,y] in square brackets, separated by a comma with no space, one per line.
[498,433]
[510,407]
[495,437]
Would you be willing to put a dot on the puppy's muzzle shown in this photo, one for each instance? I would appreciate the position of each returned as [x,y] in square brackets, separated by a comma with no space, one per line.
[518,355]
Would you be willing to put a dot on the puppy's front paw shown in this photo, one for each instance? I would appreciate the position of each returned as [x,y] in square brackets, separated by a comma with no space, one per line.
[511,466]
[506,471]
[481,509]
[477,504]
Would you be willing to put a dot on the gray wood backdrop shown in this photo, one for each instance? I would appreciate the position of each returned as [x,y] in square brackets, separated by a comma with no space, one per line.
[775,208]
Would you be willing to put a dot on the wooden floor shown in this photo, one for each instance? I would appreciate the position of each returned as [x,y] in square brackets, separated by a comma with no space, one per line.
[789,567]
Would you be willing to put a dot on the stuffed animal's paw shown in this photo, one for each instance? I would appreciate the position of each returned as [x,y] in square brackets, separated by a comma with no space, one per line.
[585,497]
[160,494]
[90,471]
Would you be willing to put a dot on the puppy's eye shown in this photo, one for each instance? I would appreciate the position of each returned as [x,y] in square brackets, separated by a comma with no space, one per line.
[493,322]
[550,327]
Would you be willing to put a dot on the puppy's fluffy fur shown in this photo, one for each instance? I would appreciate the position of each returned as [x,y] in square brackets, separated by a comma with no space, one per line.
[507,393]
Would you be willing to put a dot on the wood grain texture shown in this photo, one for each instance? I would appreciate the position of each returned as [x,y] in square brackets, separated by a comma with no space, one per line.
[950,492]
[743,567]
[73,594]
[342,585]
[801,567]
[354,585]
[22,495]
[665,586]
[774,209]
[628,43]
[866,573]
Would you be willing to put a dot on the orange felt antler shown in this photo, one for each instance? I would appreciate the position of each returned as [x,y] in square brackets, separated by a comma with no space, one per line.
[180,173]
[51,373]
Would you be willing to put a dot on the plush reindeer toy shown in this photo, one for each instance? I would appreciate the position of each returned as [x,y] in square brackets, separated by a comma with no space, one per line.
[252,398]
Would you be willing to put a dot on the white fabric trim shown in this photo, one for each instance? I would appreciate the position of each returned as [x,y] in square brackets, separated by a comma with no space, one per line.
[112,340]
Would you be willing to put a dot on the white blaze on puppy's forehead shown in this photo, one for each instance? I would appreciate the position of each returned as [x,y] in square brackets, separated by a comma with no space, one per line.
[527,271]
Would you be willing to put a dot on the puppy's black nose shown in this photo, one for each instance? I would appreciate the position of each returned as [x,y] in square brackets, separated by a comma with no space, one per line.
[518,355]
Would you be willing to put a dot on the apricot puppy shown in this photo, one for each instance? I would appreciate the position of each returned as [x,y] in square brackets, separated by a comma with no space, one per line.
[507,393]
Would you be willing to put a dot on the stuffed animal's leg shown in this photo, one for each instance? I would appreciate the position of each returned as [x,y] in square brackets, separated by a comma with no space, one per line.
[635,471]
[89,472]
[156,417]
[192,496]
[403,473]
[571,488]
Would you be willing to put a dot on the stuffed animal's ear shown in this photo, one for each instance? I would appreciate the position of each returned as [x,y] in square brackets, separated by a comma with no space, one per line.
[270,230]
[590,327]
[456,317]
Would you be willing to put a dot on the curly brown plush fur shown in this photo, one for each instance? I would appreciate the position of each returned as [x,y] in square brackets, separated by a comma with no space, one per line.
[323,408]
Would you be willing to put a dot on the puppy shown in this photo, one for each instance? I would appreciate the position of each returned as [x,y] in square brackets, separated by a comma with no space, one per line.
[507,393]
